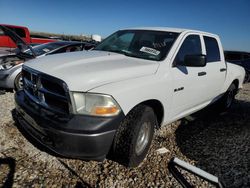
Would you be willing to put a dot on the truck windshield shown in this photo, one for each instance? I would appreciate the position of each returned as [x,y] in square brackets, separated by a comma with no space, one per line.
[145,44]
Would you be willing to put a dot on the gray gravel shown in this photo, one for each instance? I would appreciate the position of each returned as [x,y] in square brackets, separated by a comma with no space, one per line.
[218,144]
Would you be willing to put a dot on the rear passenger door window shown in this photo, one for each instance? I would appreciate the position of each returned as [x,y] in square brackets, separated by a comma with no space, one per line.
[212,48]
[190,46]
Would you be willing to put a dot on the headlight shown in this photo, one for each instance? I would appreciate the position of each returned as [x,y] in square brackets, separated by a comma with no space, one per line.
[10,64]
[95,104]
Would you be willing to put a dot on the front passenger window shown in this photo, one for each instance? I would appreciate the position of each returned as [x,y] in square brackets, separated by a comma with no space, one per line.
[190,46]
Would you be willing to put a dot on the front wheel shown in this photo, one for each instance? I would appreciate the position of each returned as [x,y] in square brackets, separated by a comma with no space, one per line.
[18,82]
[133,137]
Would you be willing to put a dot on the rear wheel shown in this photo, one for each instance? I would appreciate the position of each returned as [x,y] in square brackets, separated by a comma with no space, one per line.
[133,137]
[228,99]
[18,82]
[247,77]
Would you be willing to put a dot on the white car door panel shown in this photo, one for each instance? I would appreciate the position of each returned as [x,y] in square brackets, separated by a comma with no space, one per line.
[216,68]
[189,82]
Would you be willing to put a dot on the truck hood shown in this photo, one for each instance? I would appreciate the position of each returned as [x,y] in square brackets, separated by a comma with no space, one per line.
[86,70]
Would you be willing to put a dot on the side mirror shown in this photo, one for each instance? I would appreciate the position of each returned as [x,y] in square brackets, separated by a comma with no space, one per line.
[195,61]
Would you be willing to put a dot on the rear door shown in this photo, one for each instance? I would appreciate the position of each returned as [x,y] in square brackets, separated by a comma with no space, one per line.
[215,68]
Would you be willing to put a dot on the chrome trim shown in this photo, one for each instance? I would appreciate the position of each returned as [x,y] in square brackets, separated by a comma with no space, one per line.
[35,90]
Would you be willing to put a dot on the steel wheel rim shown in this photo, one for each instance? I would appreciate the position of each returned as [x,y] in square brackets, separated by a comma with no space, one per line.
[20,82]
[143,138]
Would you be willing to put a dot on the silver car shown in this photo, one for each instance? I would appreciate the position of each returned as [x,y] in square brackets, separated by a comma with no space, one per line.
[11,65]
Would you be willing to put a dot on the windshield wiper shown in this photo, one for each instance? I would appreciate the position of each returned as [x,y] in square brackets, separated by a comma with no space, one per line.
[116,51]
[125,52]
[128,53]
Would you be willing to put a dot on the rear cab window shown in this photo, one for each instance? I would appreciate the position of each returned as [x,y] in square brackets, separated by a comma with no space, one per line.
[19,31]
[212,49]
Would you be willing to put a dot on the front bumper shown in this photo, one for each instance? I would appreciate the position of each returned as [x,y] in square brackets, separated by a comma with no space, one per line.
[74,136]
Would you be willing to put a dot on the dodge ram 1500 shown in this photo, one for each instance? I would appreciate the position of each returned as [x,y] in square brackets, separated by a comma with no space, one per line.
[109,101]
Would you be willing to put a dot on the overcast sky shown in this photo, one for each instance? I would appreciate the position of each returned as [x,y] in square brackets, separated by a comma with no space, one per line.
[230,19]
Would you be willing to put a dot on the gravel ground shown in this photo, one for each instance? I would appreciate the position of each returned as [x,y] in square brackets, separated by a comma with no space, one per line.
[218,144]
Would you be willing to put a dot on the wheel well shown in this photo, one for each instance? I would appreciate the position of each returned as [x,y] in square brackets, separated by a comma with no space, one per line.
[236,82]
[158,109]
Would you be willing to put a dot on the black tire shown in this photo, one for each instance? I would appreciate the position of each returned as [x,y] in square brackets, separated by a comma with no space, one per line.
[126,148]
[247,77]
[228,98]
[17,82]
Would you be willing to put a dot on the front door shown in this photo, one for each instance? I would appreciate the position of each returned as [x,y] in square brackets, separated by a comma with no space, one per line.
[189,82]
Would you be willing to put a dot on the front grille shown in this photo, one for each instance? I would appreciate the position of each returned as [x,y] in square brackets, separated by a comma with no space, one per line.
[46,91]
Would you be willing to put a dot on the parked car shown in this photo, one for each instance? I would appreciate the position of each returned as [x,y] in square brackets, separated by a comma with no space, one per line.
[240,58]
[110,100]
[11,65]
[5,51]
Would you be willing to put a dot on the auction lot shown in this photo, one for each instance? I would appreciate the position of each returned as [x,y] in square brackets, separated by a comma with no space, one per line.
[218,144]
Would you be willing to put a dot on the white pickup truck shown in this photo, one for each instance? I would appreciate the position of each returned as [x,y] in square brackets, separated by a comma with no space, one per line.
[109,101]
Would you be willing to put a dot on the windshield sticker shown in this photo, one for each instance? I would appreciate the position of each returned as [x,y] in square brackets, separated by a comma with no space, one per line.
[150,50]
[46,50]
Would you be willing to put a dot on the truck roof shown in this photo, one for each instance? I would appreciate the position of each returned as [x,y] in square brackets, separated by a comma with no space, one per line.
[169,29]
[14,26]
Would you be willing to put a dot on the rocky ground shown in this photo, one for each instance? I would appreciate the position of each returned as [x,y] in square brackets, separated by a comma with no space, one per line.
[218,144]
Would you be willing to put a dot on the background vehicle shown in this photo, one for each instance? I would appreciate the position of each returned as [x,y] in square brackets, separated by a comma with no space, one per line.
[11,65]
[110,100]
[240,58]
[96,38]
[23,32]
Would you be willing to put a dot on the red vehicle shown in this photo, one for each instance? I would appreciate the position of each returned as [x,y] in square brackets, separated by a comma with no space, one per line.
[23,32]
